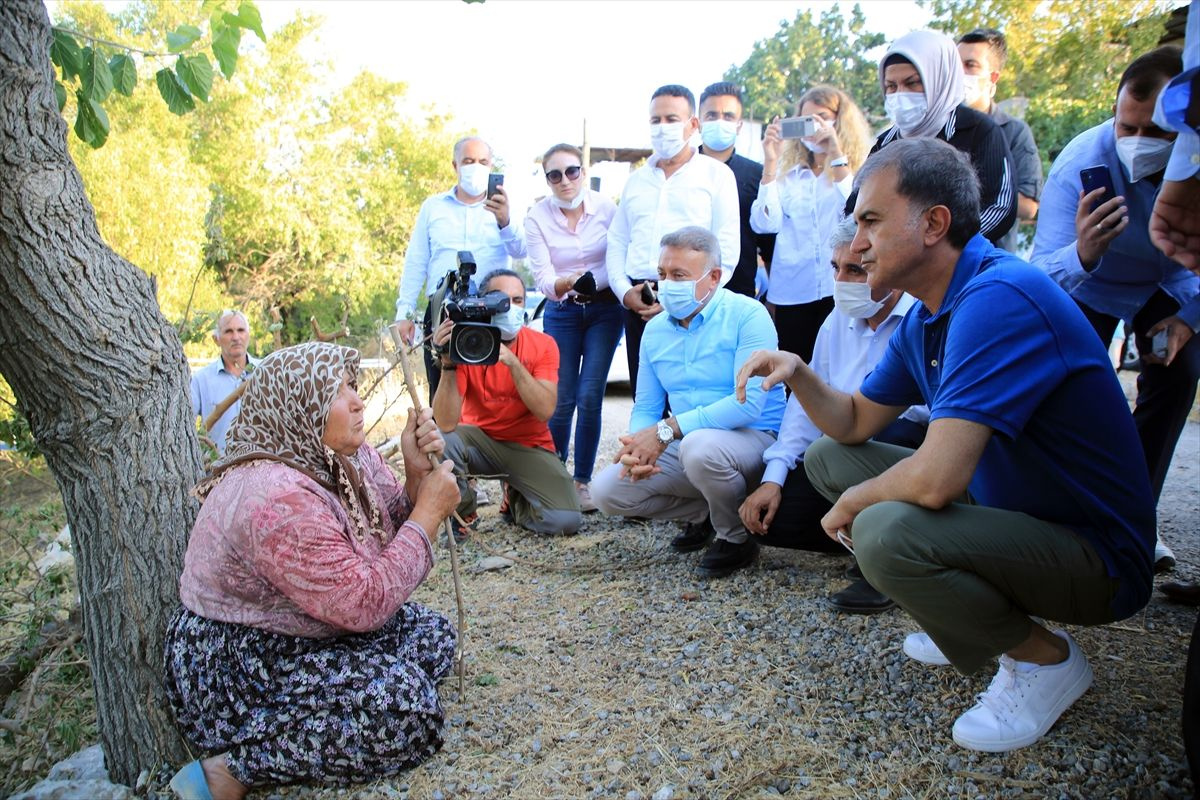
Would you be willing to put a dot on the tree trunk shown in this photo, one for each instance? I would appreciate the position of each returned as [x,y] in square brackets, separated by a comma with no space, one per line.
[102,378]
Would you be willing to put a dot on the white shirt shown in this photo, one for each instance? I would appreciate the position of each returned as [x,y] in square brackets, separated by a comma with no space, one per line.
[444,226]
[803,209]
[845,352]
[702,192]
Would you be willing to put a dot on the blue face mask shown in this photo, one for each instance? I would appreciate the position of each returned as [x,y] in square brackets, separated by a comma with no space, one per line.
[718,134]
[510,322]
[678,298]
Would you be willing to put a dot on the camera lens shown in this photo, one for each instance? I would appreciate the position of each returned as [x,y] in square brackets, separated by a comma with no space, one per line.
[474,344]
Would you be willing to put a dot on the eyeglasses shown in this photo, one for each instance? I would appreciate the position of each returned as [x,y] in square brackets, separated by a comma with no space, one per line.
[555,176]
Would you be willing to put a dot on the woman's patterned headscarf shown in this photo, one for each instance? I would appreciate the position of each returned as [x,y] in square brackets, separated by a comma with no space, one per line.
[282,418]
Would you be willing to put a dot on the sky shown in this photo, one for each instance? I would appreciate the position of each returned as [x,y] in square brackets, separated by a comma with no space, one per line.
[526,74]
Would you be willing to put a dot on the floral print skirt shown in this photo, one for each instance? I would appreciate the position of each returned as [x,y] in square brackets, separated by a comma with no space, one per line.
[291,709]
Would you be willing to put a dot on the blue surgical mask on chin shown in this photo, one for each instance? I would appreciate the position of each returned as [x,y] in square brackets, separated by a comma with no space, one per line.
[510,322]
[678,298]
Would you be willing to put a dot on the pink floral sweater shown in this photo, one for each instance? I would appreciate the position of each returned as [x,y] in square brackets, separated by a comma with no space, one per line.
[273,549]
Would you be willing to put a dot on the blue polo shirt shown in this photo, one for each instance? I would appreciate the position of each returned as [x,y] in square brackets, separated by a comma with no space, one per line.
[1010,350]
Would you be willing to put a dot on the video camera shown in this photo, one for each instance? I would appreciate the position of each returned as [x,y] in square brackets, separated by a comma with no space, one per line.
[474,339]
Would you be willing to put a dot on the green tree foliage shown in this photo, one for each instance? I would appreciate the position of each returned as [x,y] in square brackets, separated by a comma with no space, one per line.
[91,67]
[807,51]
[317,193]
[1064,57]
[278,195]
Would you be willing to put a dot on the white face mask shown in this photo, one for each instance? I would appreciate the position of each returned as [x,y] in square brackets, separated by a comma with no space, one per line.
[976,88]
[854,300]
[906,109]
[1143,155]
[510,322]
[568,204]
[473,179]
[667,139]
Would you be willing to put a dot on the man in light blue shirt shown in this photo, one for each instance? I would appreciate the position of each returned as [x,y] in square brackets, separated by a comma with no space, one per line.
[464,218]
[1099,250]
[694,466]
[215,381]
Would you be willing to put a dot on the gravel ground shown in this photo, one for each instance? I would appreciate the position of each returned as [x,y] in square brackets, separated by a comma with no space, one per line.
[600,665]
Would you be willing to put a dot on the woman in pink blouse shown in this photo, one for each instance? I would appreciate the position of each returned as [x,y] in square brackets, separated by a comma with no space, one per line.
[566,235]
[295,656]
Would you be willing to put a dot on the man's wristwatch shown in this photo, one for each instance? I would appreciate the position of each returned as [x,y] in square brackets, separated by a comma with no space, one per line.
[665,432]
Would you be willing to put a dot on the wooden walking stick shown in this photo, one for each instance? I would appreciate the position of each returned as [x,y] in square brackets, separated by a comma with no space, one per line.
[402,352]
[223,406]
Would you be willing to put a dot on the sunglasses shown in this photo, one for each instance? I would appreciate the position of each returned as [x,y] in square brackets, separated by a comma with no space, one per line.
[555,176]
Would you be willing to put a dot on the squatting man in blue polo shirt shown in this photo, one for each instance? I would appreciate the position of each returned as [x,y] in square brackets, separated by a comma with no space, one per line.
[695,465]
[1012,507]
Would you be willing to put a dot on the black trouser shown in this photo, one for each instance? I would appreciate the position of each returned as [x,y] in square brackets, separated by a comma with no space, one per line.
[1191,705]
[1165,394]
[797,523]
[797,326]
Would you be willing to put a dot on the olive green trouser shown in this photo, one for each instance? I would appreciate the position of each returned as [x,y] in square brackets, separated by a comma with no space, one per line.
[542,495]
[970,575]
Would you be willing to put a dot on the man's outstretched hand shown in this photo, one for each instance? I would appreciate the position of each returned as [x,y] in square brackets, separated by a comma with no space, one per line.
[1175,222]
[773,366]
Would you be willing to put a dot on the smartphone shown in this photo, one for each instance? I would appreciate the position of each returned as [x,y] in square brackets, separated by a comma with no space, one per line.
[846,541]
[1158,344]
[494,180]
[1094,178]
[797,127]
[649,296]
[586,284]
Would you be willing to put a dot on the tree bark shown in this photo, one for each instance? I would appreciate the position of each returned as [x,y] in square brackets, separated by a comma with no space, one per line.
[102,378]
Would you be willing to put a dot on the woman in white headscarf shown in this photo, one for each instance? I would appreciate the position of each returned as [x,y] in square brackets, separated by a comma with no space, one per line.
[922,79]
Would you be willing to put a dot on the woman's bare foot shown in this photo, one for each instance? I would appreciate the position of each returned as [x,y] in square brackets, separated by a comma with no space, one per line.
[220,782]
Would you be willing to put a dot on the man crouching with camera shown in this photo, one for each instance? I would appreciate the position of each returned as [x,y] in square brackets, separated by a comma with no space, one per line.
[494,418]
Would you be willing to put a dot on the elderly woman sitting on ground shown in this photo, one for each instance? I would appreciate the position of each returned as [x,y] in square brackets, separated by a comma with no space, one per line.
[295,656]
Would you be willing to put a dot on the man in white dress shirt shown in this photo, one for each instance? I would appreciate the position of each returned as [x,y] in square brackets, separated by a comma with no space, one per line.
[464,218]
[673,190]
[785,510]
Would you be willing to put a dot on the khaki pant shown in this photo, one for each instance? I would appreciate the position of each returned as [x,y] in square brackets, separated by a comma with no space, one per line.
[970,575]
[703,475]
[541,493]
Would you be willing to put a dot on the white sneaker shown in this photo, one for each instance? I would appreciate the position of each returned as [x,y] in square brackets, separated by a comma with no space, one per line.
[1164,559]
[1023,701]
[585,499]
[919,647]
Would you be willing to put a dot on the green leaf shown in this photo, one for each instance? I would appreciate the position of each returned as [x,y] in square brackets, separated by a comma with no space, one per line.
[124,73]
[60,93]
[225,47]
[65,52]
[487,679]
[97,80]
[182,38]
[91,123]
[250,19]
[174,92]
[196,73]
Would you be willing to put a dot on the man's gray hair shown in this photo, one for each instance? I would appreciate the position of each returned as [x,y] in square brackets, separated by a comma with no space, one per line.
[843,233]
[693,237]
[229,312]
[930,172]
[458,146]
